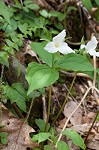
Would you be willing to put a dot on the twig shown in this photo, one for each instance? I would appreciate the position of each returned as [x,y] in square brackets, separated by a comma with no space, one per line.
[44,108]
[73,43]
[96,90]
[91,127]
[49,106]
[17,110]
[28,114]
[96,96]
[88,16]
[70,74]
[21,2]
[73,113]
[71,96]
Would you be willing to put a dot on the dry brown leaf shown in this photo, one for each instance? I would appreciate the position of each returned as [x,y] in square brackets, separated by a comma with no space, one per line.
[82,129]
[88,118]
[18,132]
[68,109]
[43,4]
[29,51]
[93,143]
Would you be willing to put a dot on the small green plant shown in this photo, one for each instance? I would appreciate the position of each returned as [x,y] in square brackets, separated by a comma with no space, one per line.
[4,137]
[43,75]
[20,21]
[51,136]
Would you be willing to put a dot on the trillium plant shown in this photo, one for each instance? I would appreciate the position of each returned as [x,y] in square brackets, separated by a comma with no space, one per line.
[58,44]
[55,56]
[91,46]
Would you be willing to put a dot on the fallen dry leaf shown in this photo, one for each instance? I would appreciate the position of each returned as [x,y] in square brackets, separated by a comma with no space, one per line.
[18,132]
[93,143]
[29,50]
[88,118]
[77,116]
[82,128]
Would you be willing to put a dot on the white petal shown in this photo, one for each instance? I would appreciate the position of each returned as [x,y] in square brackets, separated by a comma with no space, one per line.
[60,37]
[91,45]
[65,49]
[92,53]
[50,47]
[82,46]
[97,54]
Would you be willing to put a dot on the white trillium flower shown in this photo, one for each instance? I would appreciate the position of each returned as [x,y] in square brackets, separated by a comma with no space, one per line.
[58,44]
[91,46]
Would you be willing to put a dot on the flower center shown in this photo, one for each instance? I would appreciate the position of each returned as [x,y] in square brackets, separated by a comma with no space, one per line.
[57,45]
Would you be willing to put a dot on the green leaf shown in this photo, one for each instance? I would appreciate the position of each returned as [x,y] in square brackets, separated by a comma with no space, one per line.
[4,137]
[74,62]
[97,2]
[9,49]
[62,146]
[44,13]
[41,137]
[48,147]
[40,75]
[4,11]
[9,43]
[33,6]
[4,140]
[23,27]
[15,96]
[41,124]
[70,8]
[9,29]
[87,4]
[3,134]
[25,9]
[75,137]
[4,58]
[20,89]
[89,73]
[61,16]
[13,24]
[98,117]
[43,54]
[27,2]
[2,126]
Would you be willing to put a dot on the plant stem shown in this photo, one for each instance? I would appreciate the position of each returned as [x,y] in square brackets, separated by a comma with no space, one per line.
[49,105]
[28,113]
[86,93]
[62,107]
[17,110]
[91,126]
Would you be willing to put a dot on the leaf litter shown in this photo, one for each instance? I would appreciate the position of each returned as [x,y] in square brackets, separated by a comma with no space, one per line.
[18,132]
[82,119]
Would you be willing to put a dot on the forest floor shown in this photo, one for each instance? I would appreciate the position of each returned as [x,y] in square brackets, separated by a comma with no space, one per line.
[82,118]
